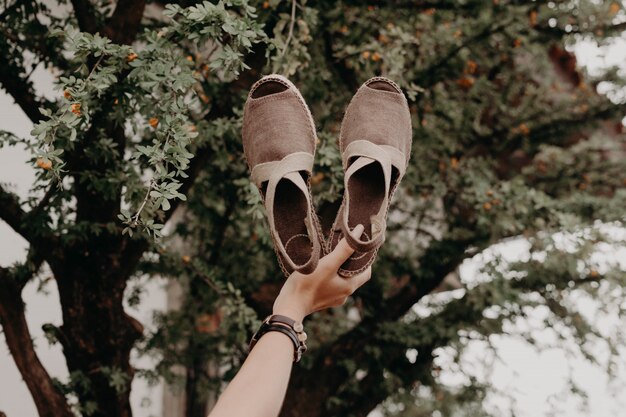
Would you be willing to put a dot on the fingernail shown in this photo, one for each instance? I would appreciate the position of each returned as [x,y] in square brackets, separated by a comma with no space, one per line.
[358,230]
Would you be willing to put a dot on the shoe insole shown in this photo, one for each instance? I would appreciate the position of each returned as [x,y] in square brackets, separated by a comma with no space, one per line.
[267,88]
[366,188]
[290,211]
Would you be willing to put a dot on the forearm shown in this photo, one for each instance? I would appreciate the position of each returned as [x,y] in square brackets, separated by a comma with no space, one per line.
[259,387]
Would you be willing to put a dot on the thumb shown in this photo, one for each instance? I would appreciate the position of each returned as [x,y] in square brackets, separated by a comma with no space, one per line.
[343,251]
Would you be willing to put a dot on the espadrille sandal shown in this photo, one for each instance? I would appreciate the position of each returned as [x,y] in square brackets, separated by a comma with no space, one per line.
[279,145]
[375,144]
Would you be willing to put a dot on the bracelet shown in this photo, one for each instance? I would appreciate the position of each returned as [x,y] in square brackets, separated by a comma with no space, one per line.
[296,326]
[287,326]
[286,332]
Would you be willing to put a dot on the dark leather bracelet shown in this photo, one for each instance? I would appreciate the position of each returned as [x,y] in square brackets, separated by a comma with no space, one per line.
[289,333]
[296,326]
[288,327]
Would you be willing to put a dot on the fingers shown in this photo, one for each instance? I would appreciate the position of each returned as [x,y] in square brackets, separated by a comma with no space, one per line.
[358,280]
[343,288]
[350,285]
[342,251]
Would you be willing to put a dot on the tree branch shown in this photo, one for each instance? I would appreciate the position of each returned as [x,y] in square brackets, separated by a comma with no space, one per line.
[123,24]
[43,242]
[48,400]
[419,5]
[85,15]
[21,90]
[426,334]
[430,75]
[121,27]
[12,213]
[558,33]
[441,258]
[374,388]
[42,45]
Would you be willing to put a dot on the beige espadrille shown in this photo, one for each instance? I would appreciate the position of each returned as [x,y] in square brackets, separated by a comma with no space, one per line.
[279,145]
[375,144]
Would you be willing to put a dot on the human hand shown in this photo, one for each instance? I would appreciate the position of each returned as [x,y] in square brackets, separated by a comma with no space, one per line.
[302,294]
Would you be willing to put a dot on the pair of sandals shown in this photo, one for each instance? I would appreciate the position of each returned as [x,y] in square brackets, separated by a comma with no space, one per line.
[279,145]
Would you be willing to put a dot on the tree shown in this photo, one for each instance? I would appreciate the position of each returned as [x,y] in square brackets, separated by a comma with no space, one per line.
[510,140]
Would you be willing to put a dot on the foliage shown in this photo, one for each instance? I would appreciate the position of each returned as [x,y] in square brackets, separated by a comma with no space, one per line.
[511,141]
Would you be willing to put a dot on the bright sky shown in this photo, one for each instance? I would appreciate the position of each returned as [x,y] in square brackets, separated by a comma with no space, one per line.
[532,378]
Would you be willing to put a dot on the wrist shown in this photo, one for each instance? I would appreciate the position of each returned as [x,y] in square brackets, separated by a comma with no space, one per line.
[295,299]
[292,312]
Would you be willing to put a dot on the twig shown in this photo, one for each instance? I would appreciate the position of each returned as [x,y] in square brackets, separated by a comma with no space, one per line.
[211,52]
[143,204]
[211,284]
[95,66]
[294,3]
[42,203]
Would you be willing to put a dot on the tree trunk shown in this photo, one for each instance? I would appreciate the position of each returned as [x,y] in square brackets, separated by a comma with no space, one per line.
[195,403]
[48,400]
[97,335]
